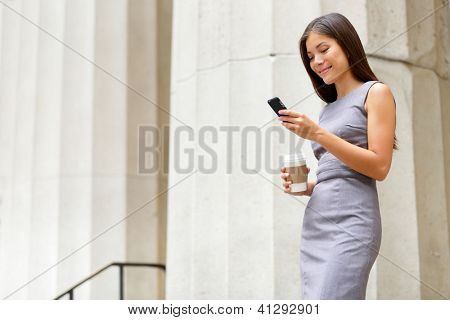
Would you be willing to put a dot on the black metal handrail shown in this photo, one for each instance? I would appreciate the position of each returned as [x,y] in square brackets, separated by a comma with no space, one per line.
[121,266]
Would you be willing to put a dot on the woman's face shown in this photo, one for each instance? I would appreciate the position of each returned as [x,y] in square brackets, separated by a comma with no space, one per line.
[326,57]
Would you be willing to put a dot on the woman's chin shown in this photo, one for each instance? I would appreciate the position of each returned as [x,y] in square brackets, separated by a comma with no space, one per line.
[327,81]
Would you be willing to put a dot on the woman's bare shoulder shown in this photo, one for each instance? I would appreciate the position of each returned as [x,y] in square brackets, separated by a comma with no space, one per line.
[379,94]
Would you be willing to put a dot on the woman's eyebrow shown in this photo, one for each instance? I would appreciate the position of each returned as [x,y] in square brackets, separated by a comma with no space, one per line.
[317,46]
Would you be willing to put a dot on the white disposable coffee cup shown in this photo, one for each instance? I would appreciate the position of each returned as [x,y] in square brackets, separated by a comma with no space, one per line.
[296,167]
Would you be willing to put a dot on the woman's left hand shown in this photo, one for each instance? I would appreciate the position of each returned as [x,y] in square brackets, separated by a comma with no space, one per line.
[300,124]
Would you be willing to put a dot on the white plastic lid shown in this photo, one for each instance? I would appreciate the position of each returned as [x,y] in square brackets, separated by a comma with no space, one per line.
[294,160]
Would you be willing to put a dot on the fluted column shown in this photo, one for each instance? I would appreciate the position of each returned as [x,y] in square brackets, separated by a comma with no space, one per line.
[46,147]
[77,148]
[413,198]
[75,83]
[179,281]
[143,231]
[109,143]
[47,150]
[14,263]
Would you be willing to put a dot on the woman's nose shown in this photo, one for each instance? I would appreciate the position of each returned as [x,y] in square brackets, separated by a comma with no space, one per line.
[319,61]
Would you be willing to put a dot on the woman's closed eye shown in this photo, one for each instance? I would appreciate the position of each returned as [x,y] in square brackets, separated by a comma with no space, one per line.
[323,51]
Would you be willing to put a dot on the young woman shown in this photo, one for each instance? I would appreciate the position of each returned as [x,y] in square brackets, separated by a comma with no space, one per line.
[353,142]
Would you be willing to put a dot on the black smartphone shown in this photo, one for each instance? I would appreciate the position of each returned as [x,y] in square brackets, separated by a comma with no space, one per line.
[276,104]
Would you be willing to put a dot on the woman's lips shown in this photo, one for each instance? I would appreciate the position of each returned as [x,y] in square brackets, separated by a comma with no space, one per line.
[325,71]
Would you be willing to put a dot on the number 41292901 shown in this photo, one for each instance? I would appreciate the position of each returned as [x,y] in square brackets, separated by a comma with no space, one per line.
[289,308]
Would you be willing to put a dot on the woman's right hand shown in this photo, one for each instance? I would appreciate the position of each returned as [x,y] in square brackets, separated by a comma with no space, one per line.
[287,181]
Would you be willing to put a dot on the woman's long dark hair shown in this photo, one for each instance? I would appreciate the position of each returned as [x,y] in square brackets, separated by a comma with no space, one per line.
[337,26]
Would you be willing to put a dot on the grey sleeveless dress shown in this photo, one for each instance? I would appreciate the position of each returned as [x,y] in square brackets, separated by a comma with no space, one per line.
[341,232]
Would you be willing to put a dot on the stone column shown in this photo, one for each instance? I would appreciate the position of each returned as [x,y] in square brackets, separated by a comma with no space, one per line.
[415,219]
[142,227]
[14,265]
[109,144]
[70,112]
[47,150]
[180,210]
[164,18]
[24,140]
[77,147]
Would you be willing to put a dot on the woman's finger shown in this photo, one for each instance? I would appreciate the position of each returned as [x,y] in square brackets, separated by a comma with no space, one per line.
[287,119]
[289,125]
[287,184]
[290,113]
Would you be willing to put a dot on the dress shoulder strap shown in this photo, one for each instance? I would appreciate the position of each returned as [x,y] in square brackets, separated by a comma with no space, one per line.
[366,90]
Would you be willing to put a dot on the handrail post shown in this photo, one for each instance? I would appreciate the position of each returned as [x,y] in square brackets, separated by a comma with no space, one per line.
[71,294]
[121,281]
